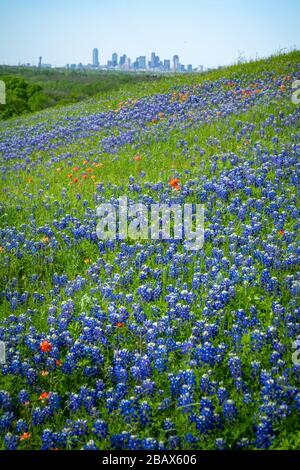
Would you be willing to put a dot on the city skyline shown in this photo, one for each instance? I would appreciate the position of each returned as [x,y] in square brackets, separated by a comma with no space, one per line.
[142,62]
[213,33]
[125,63]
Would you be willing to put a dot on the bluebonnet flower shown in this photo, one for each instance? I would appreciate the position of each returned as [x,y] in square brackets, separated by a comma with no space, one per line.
[229,410]
[234,364]
[128,410]
[243,443]
[48,439]
[168,425]
[6,420]
[220,444]
[90,445]
[54,401]
[5,400]
[120,441]
[145,414]
[149,443]
[223,394]
[264,434]
[21,426]
[10,441]
[100,428]
[24,396]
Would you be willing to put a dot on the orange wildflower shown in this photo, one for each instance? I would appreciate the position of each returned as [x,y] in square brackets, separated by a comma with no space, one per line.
[174,183]
[120,324]
[44,396]
[24,436]
[75,180]
[281,232]
[45,346]
[137,158]
[183,97]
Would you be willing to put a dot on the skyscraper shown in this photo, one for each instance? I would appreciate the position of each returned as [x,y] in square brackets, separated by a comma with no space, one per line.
[175,63]
[167,64]
[114,59]
[141,62]
[123,59]
[95,57]
[152,60]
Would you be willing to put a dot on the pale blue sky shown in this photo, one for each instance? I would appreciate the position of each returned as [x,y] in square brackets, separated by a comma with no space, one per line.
[208,32]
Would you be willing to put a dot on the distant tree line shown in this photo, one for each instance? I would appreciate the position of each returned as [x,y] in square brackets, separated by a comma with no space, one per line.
[29,90]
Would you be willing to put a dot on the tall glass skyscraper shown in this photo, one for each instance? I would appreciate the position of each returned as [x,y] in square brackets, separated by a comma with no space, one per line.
[95,57]
[114,59]
[176,63]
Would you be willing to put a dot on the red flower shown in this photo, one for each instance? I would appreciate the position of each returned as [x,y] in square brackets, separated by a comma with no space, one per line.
[24,436]
[174,183]
[120,324]
[44,396]
[45,346]
[281,232]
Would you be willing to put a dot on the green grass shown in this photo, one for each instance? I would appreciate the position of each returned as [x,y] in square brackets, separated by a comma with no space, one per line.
[33,197]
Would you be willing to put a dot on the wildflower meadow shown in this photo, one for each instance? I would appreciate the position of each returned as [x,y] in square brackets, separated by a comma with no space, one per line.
[124,344]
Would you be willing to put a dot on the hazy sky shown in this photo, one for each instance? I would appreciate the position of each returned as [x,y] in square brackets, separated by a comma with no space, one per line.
[208,32]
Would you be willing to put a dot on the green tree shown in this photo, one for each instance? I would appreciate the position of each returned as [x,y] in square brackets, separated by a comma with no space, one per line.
[38,101]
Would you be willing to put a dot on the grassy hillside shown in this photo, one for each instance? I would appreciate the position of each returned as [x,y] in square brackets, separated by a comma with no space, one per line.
[125,344]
